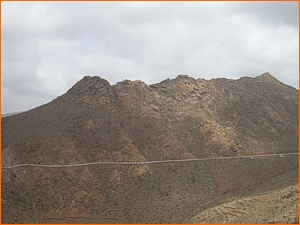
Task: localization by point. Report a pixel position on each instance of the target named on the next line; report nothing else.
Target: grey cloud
(13, 103)
(275, 13)
(48, 46)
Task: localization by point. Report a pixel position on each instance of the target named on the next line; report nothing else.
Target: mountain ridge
(131, 121)
(218, 111)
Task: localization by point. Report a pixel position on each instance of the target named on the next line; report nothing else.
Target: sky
(49, 46)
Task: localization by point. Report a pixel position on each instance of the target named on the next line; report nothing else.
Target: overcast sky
(48, 46)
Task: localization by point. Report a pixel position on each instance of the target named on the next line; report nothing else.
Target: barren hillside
(274, 201)
(181, 118)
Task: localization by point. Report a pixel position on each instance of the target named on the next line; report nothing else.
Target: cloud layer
(48, 46)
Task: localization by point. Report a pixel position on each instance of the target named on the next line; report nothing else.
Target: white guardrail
(145, 162)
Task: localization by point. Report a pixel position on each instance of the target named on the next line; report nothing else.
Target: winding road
(146, 162)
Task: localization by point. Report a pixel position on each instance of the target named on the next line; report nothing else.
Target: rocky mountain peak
(91, 82)
(133, 83)
(267, 76)
(91, 91)
(180, 76)
(184, 77)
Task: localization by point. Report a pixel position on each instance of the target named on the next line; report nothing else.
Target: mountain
(182, 118)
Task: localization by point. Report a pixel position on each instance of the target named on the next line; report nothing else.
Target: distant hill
(10, 114)
(131, 121)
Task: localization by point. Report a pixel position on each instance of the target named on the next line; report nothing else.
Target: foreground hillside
(131, 121)
(161, 193)
(274, 201)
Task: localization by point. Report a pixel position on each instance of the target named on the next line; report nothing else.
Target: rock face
(131, 121)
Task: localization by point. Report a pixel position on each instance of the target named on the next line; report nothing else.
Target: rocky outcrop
(92, 92)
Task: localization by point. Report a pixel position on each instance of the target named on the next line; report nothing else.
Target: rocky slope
(131, 121)
(263, 204)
